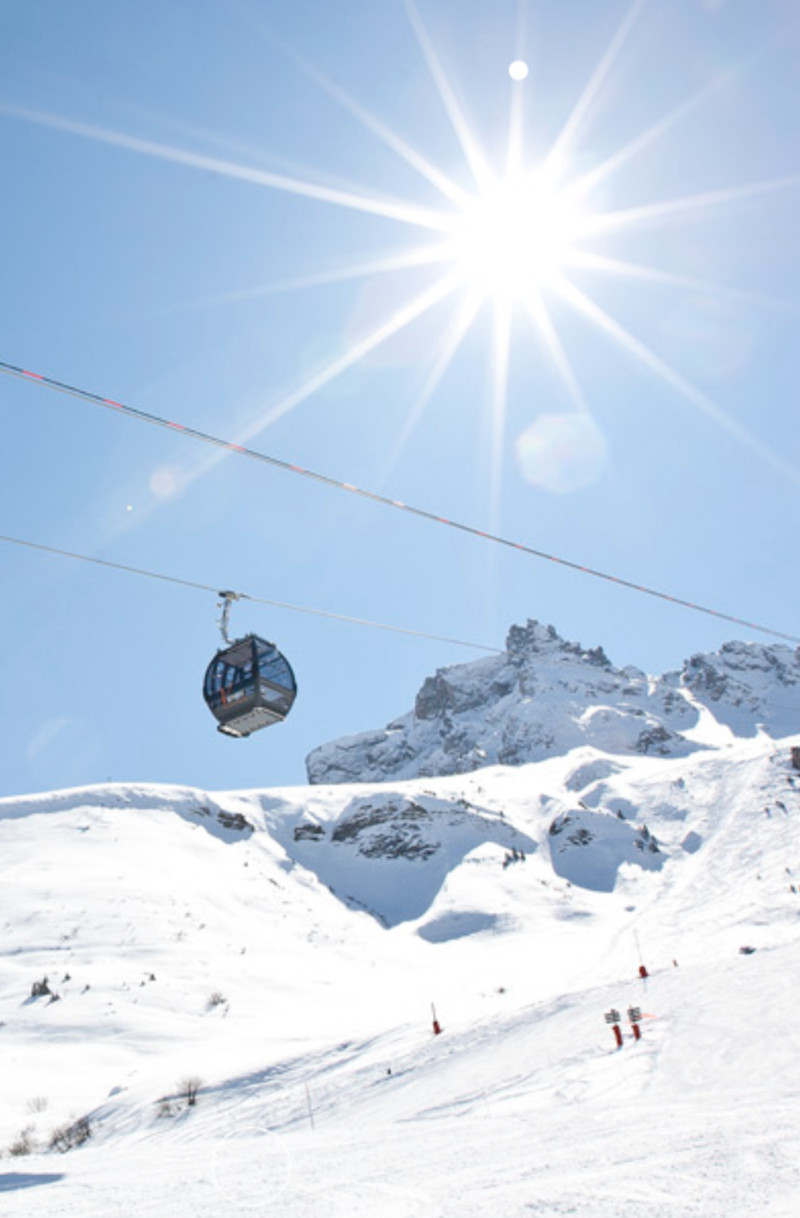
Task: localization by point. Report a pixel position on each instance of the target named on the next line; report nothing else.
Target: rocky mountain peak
(534, 639)
(545, 695)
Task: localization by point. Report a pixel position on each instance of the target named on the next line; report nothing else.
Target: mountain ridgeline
(544, 696)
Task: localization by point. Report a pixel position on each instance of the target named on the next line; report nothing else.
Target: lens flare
(165, 482)
(562, 452)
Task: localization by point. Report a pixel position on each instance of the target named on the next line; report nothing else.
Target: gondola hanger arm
(226, 600)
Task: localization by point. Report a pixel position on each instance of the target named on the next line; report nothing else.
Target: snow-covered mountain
(224, 1003)
(282, 949)
(544, 696)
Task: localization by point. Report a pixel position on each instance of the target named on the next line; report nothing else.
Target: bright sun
(515, 237)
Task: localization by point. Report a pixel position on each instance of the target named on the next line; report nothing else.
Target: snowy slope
(544, 696)
(284, 948)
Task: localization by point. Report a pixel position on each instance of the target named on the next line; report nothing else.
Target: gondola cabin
(249, 685)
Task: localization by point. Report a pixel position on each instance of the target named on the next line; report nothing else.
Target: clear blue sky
(199, 203)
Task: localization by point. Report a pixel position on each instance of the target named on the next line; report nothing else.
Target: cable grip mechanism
(225, 604)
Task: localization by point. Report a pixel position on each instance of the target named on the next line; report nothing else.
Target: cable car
(249, 684)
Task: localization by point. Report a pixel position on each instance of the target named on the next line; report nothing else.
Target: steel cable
(229, 446)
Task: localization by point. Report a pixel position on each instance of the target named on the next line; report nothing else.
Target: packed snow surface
(279, 951)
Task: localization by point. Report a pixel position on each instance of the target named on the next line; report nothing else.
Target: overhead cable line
(290, 467)
(245, 596)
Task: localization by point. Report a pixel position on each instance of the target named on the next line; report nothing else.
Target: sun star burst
(512, 241)
(516, 236)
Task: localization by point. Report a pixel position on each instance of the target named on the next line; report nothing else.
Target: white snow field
(283, 949)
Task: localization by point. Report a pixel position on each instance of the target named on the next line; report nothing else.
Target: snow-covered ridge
(544, 696)
(392, 851)
(284, 947)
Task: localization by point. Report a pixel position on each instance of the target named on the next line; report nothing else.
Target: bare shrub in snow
(67, 1137)
(22, 1144)
(216, 1000)
(37, 1103)
(188, 1088)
